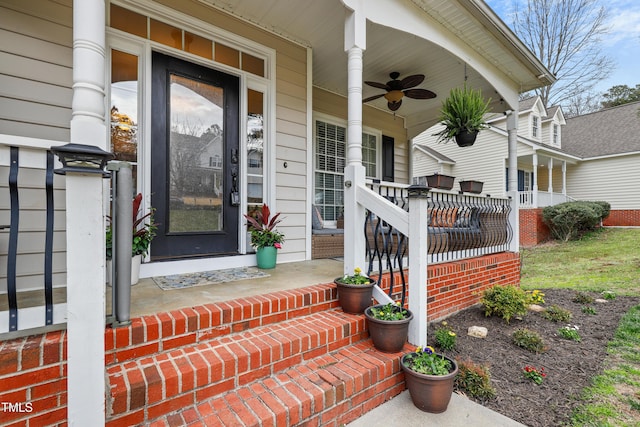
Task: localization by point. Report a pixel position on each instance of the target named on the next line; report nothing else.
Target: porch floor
(148, 298)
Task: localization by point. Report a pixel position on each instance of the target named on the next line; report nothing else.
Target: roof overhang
(447, 41)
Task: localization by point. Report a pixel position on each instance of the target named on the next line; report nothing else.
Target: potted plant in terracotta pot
(354, 291)
(264, 237)
(388, 326)
(462, 115)
(429, 377)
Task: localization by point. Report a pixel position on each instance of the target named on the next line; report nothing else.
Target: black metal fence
(459, 226)
(13, 309)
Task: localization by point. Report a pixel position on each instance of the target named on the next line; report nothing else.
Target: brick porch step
(153, 384)
(328, 390)
(162, 332)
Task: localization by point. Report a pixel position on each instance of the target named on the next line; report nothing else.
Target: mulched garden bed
(569, 365)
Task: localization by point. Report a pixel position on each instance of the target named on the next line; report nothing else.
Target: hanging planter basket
(465, 138)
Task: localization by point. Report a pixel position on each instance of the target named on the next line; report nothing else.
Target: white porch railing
(540, 199)
(444, 226)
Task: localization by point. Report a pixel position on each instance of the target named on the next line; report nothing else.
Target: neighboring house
(559, 159)
(281, 83)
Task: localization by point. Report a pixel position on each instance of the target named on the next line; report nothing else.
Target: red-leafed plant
(262, 228)
(143, 232)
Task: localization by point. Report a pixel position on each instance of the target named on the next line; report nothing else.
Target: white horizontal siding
(35, 68)
(614, 180)
(484, 161)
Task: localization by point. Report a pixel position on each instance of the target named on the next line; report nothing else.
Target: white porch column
(564, 179)
(550, 186)
(534, 188)
(85, 224)
(514, 216)
(418, 264)
(354, 172)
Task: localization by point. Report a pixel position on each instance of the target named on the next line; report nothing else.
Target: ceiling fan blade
(378, 85)
(393, 106)
(419, 94)
(412, 81)
(371, 98)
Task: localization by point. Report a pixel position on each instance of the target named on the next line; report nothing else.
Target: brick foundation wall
(532, 229)
(33, 379)
(457, 285)
(623, 218)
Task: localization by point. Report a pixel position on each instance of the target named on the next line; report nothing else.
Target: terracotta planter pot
(444, 182)
(388, 336)
(354, 299)
(466, 139)
(429, 393)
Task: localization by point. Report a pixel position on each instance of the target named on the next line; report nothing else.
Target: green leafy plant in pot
(144, 230)
(354, 291)
(429, 377)
(388, 326)
(264, 237)
(462, 115)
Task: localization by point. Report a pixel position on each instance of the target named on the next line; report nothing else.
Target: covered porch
(542, 178)
(314, 63)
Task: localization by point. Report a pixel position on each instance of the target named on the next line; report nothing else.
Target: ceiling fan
(397, 89)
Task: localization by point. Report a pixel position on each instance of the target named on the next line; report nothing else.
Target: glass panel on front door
(195, 183)
(196, 156)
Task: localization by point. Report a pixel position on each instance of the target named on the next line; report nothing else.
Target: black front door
(194, 155)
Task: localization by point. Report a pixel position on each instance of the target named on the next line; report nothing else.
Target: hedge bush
(570, 220)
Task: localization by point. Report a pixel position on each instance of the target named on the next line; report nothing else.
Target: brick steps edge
(328, 390)
(165, 331)
(209, 368)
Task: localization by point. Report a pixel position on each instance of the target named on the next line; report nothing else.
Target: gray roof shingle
(614, 130)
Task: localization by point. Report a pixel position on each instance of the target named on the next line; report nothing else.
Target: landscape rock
(477, 331)
(536, 308)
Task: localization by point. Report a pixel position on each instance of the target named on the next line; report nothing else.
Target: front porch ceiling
(432, 38)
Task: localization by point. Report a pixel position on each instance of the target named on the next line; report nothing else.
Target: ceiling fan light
(394, 96)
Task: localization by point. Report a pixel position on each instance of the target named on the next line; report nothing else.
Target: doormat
(213, 277)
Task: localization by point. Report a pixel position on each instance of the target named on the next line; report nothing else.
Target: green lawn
(605, 260)
(608, 260)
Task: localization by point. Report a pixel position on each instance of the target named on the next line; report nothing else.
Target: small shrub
(570, 220)
(529, 340)
(445, 338)
(582, 298)
(557, 314)
(570, 333)
(534, 374)
(588, 310)
(474, 380)
(535, 297)
(504, 301)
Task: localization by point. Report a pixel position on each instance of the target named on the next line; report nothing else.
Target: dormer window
(556, 131)
(534, 126)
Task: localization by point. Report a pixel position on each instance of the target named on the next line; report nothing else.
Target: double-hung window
(534, 126)
(330, 158)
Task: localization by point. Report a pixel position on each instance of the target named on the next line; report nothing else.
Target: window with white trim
(556, 134)
(534, 126)
(330, 158)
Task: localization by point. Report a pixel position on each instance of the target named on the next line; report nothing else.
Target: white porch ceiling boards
(466, 26)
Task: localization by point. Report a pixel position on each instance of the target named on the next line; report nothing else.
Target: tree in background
(565, 36)
(620, 94)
